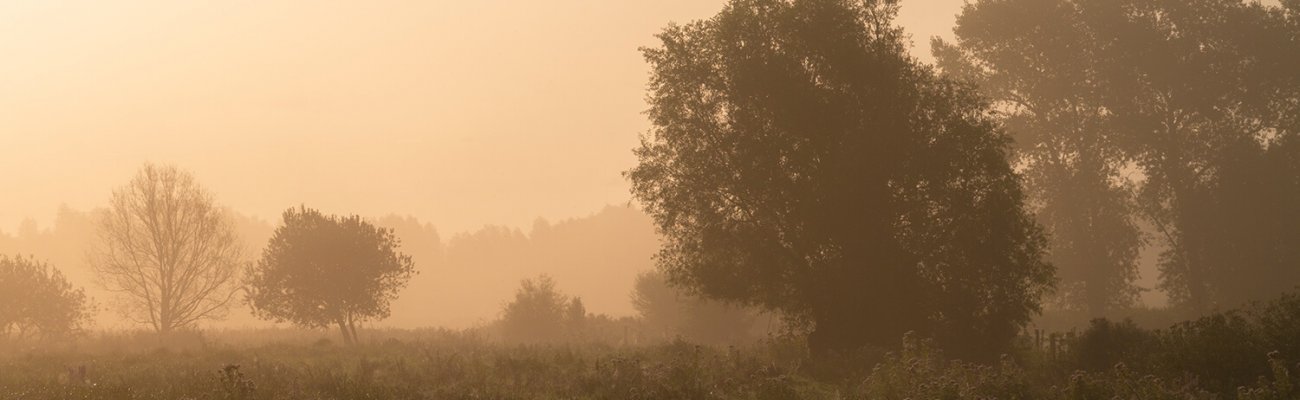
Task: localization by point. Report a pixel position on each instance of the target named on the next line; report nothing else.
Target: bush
(1223, 351)
(1123, 383)
(1283, 385)
(1278, 324)
(1105, 344)
(540, 313)
(920, 372)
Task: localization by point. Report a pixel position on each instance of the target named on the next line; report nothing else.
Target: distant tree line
(541, 313)
(669, 312)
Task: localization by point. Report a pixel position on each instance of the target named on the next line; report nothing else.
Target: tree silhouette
(666, 312)
(801, 161)
(321, 270)
(1209, 105)
(538, 313)
(168, 249)
(1065, 140)
(1200, 96)
(36, 300)
(659, 305)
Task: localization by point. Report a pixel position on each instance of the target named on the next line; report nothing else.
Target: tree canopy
(539, 313)
(1196, 98)
(320, 270)
(1066, 141)
(168, 249)
(36, 300)
(799, 160)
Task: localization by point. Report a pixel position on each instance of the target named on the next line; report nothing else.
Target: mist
(650, 199)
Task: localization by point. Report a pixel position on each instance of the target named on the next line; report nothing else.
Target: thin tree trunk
(347, 335)
(352, 326)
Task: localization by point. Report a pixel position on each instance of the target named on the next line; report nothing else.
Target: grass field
(403, 364)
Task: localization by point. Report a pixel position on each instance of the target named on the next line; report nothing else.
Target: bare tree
(168, 250)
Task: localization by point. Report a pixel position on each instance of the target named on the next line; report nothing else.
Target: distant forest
(463, 280)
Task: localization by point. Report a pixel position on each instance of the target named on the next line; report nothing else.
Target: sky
(460, 113)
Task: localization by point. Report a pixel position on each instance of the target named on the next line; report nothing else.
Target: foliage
(1222, 349)
(36, 300)
(539, 313)
(1123, 383)
(575, 315)
(320, 270)
(802, 162)
(168, 249)
(919, 371)
(1105, 344)
(668, 312)
(1277, 323)
(1220, 352)
(1053, 105)
(1187, 107)
(658, 304)
(1195, 99)
(1282, 385)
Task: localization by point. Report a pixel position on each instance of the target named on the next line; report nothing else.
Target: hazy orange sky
(459, 113)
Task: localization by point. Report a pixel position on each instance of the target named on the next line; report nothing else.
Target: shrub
(1283, 385)
(1278, 324)
(1224, 350)
(1123, 383)
(920, 372)
(537, 314)
(1105, 344)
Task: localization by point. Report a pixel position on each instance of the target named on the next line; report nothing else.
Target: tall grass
(1245, 354)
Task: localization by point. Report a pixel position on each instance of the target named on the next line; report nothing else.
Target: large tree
(801, 161)
(320, 270)
(168, 249)
(1031, 60)
(37, 301)
(1199, 95)
(1207, 92)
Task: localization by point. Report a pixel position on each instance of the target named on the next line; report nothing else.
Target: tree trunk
(352, 328)
(347, 335)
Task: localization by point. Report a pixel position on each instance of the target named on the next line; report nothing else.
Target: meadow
(1221, 356)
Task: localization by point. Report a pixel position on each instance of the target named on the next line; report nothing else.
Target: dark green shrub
(1223, 350)
(1105, 344)
(1282, 386)
(1123, 383)
(1278, 324)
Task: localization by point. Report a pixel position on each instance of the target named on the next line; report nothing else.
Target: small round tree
(537, 314)
(321, 270)
(36, 300)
